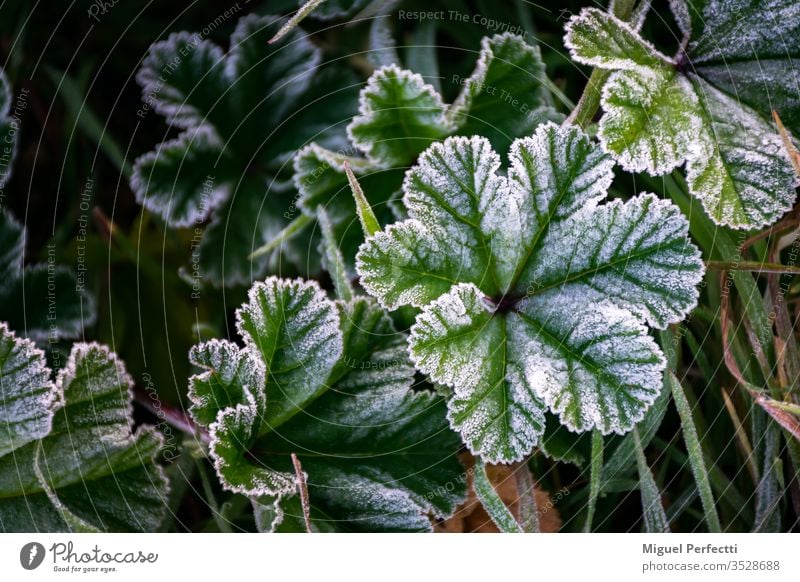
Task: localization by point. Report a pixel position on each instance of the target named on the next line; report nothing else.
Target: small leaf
(232, 376)
(658, 115)
(506, 95)
(399, 116)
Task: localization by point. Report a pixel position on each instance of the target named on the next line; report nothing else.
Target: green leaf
(534, 295)
(506, 96)
(9, 125)
(69, 459)
(596, 479)
(29, 397)
(295, 329)
(399, 116)
(377, 455)
(42, 301)
(658, 115)
(229, 162)
(749, 50)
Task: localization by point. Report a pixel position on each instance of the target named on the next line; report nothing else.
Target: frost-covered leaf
(29, 396)
(534, 295)
(330, 9)
(42, 301)
(295, 329)
(74, 462)
(8, 131)
(233, 376)
(377, 456)
(506, 96)
(749, 50)
(658, 115)
(400, 115)
(244, 113)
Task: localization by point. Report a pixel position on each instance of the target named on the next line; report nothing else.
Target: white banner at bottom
(356, 557)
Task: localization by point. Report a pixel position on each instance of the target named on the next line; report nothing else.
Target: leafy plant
(242, 116)
(662, 112)
(400, 115)
(69, 460)
(507, 335)
(330, 382)
(533, 293)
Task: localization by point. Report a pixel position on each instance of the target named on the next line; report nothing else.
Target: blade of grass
(695, 452)
(526, 493)
(768, 491)
(366, 216)
(298, 17)
(294, 228)
(494, 506)
(595, 479)
(655, 520)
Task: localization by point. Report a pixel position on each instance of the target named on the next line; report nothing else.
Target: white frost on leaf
(595, 367)
(400, 105)
(658, 117)
(338, 394)
(231, 436)
(231, 376)
(28, 398)
(534, 241)
(84, 446)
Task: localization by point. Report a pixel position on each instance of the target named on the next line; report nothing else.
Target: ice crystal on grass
(534, 294)
(658, 115)
(69, 459)
(330, 382)
(400, 115)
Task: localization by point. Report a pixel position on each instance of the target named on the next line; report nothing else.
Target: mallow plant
(439, 279)
(536, 292)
